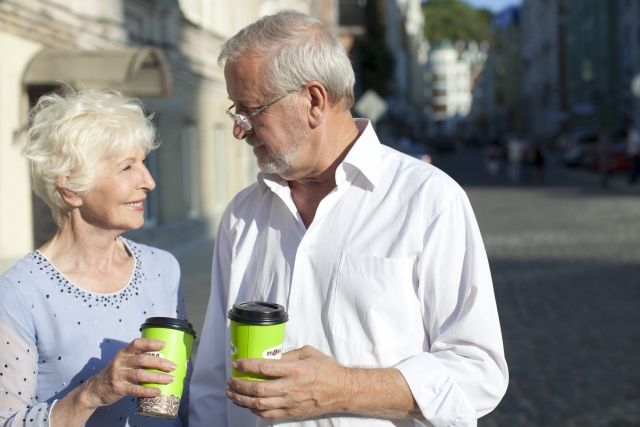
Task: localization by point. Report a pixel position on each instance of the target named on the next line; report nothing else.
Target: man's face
(280, 133)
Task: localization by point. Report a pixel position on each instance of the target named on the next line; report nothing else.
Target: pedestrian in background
(515, 156)
(376, 256)
(71, 310)
(492, 157)
(604, 156)
(633, 151)
(537, 159)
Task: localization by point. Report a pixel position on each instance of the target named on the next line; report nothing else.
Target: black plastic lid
(258, 313)
(169, 322)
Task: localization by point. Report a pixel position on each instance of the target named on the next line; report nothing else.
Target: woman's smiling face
(116, 202)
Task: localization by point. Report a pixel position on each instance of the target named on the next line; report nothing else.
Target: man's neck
(308, 192)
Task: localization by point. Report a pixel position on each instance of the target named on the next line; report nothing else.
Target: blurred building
(404, 24)
(352, 18)
(506, 70)
(628, 12)
(477, 128)
(544, 87)
(581, 65)
(389, 34)
(164, 52)
(452, 71)
(592, 53)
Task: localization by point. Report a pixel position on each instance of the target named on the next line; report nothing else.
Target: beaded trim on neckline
(65, 286)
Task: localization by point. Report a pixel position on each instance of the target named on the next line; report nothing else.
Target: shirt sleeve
(19, 404)
(208, 384)
(464, 374)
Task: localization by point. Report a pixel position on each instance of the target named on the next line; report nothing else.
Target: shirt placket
(309, 283)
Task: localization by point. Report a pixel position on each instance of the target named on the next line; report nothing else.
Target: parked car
(618, 159)
(581, 149)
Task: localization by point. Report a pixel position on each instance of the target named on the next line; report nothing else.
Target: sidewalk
(618, 182)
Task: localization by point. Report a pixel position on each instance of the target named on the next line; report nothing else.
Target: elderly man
(376, 256)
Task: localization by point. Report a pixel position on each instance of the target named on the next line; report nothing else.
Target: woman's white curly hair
(71, 133)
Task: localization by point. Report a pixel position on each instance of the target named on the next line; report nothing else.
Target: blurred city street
(566, 268)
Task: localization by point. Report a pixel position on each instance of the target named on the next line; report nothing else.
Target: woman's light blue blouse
(55, 335)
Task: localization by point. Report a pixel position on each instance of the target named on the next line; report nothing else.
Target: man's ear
(319, 99)
(70, 197)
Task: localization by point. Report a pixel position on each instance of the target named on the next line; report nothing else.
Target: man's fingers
(269, 388)
(272, 368)
(272, 414)
(298, 353)
(256, 403)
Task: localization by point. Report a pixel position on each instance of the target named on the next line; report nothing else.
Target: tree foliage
(377, 60)
(454, 20)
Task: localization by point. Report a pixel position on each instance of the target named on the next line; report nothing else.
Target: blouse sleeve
(19, 404)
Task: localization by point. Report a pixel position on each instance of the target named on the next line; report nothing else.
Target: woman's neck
(95, 260)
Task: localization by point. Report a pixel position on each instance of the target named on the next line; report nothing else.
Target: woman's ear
(319, 99)
(70, 197)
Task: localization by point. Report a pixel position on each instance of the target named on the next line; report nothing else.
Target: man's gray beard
(276, 163)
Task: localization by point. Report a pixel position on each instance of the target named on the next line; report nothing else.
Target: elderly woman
(71, 310)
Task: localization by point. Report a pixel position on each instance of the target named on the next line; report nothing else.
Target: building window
(136, 28)
(190, 168)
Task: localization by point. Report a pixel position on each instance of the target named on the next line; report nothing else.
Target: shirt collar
(366, 153)
(364, 156)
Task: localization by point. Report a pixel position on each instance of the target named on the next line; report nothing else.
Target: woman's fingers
(141, 345)
(139, 391)
(142, 353)
(139, 362)
(144, 376)
(151, 362)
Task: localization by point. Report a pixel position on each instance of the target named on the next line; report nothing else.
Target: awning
(137, 71)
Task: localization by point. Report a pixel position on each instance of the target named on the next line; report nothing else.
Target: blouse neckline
(62, 279)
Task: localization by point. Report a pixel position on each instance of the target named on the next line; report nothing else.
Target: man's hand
(306, 383)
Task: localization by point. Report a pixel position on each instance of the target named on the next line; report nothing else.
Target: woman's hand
(128, 368)
(118, 379)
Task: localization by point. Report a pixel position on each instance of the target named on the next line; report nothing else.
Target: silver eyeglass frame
(242, 120)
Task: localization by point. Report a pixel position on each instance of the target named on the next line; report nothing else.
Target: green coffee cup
(178, 336)
(256, 332)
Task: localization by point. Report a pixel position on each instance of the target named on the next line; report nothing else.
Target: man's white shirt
(392, 272)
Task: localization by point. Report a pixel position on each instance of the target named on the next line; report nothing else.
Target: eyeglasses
(243, 119)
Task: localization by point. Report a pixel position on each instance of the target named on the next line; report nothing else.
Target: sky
(493, 5)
